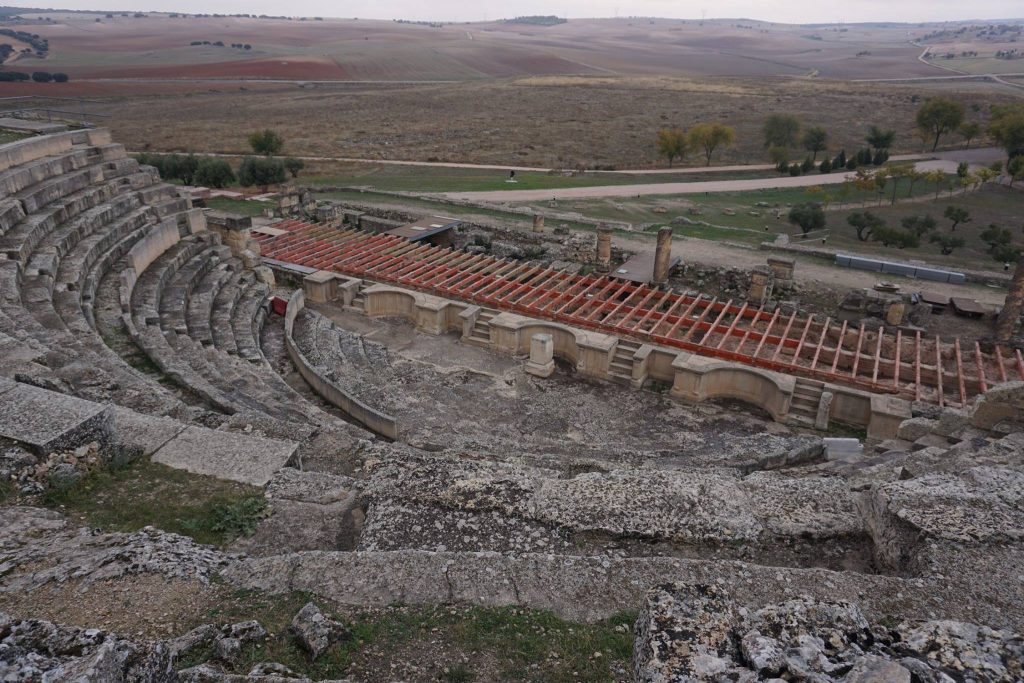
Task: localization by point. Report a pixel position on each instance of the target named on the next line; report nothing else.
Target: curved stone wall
(699, 378)
(374, 420)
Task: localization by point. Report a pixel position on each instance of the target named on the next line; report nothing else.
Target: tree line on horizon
(784, 133)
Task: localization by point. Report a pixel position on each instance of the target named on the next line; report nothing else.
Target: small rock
(315, 631)
(228, 649)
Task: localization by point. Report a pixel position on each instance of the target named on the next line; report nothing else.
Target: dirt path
(945, 161)
(702, 187)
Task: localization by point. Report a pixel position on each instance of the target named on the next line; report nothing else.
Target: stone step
(621, 367)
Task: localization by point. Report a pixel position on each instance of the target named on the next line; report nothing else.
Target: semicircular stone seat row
(75, 213)
(362, 368)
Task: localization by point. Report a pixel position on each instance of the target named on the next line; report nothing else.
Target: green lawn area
(242, 206)
(12, 136)
(397, 178)
(731, 215)
(143, 493)
(464, 643)
(993, 205)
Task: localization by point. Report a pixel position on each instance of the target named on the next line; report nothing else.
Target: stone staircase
(481, 333)
(621, 368)
(806, 397)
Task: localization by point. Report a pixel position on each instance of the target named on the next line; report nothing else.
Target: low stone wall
(699, 378)
(430, 314)
(573, 587)
(148, 249)
(973, 276)
(375, 421)
(693, 377)
(590, 352)
(28, 150)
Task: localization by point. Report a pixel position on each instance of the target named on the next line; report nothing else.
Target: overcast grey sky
(462, 10)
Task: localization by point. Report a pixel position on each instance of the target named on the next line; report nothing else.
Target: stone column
(663, 256)
(1007, 321)
(604, 249)
(538, 222)
(542, 355)
(760, 285)
(782, 272)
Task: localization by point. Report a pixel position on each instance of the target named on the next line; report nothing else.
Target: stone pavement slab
(226, 455)
(48, 421)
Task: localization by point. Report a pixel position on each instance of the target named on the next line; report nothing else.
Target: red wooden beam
(960, 372)
(821, 343)
(917, 365)
(785, 335)
(1002, 368)
(856, 357)
(764, 337)
(878, 357)
(981, 368)
(899, 351)
(839, 348)
(700, 319)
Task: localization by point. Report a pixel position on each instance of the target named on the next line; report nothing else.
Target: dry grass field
(98, 45)
(547, 122)
(586, 93)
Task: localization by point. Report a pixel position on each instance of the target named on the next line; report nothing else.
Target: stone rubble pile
(31, 474)
(699, 633)
(40, 538)
(34, 650)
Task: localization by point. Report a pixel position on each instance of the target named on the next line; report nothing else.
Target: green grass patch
(462, 643)
(143, 493)
(243, 206)
(12, 136)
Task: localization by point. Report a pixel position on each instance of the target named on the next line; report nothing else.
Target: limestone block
(48, 421)
(349, 289)
(844, 450)
(469, 317)
(822, 419)
(320, 287)
(914, 429)
(265, 275)
(542, 358)
(887, 413)
(226, 455)
(895, 313)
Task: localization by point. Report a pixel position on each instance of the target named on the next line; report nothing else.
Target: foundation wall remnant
(699, 378)
(374, 420)
(760, 285)
(693, 377)
(830, 350)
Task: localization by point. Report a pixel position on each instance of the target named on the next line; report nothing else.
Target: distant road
(946, 161)
(959, 75)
